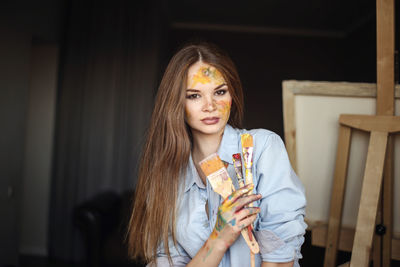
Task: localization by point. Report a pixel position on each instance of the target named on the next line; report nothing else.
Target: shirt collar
(229, 146)
(192, 177)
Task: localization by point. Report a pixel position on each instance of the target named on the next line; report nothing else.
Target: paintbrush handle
(250, 240)
(248, 176)
(252, 259)
(241, 182)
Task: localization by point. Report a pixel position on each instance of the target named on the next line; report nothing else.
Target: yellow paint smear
(247, 140)
(207, 75)
(224, 107)
(214, 235)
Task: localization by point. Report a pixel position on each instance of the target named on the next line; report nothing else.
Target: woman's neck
(205, 145)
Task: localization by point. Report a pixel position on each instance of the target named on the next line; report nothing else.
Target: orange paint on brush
(247, 140)
(211, 164)
(216, 173)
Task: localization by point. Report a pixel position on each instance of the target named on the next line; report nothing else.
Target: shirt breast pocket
(192, 227)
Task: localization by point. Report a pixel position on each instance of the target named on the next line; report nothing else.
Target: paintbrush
(237, 164)
(247, 151)
(217, 175)
(220, 181)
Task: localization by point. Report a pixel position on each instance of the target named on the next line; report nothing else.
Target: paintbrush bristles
(211, 164)
(247, 140)
(237, 163)
(217, 175)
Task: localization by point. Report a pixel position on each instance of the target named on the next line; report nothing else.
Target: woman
(177, 219)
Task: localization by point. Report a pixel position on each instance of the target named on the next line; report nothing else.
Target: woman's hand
(233, 215)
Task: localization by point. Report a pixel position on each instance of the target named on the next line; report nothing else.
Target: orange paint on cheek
(224, 107)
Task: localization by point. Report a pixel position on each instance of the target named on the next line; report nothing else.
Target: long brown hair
(167, 149)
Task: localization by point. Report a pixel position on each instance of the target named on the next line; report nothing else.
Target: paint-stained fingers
(247, 221)
(245, 200)
(238, 194)
(243, 213)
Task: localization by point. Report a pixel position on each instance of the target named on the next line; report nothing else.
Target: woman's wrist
(211, 253)
(217, 243)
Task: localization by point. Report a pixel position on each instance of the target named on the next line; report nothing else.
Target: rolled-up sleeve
(280, 226)
(179, 257)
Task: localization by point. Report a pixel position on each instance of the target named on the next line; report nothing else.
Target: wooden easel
(379, 160)
(380, 127)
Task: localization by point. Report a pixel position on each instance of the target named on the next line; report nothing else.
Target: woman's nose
(210, 104)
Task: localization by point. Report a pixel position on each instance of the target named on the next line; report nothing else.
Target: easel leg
(388, 185)
(369, 200)
(336, 206)
(385, 36)
(377, 247)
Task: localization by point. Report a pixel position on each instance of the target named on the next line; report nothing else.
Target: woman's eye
(221, 92)
(192, 96)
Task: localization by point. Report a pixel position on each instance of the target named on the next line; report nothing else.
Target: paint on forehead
(224, 107)
(206, 74)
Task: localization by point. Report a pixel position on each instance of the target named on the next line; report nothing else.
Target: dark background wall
(24, 25)
(265, 60)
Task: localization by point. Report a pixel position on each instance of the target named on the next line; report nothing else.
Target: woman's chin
(209, 129)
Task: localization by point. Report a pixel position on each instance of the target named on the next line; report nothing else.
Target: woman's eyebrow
(220, 86)
(196, 90)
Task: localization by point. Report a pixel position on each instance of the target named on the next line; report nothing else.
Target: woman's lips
(210, 120)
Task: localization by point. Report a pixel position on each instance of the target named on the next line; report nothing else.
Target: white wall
(317, 130)
(38, 150)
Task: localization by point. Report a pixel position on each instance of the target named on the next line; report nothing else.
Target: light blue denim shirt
(279, 227)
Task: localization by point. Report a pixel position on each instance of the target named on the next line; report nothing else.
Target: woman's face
(208, 101)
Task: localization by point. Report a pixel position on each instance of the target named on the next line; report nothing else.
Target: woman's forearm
(210, 254)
